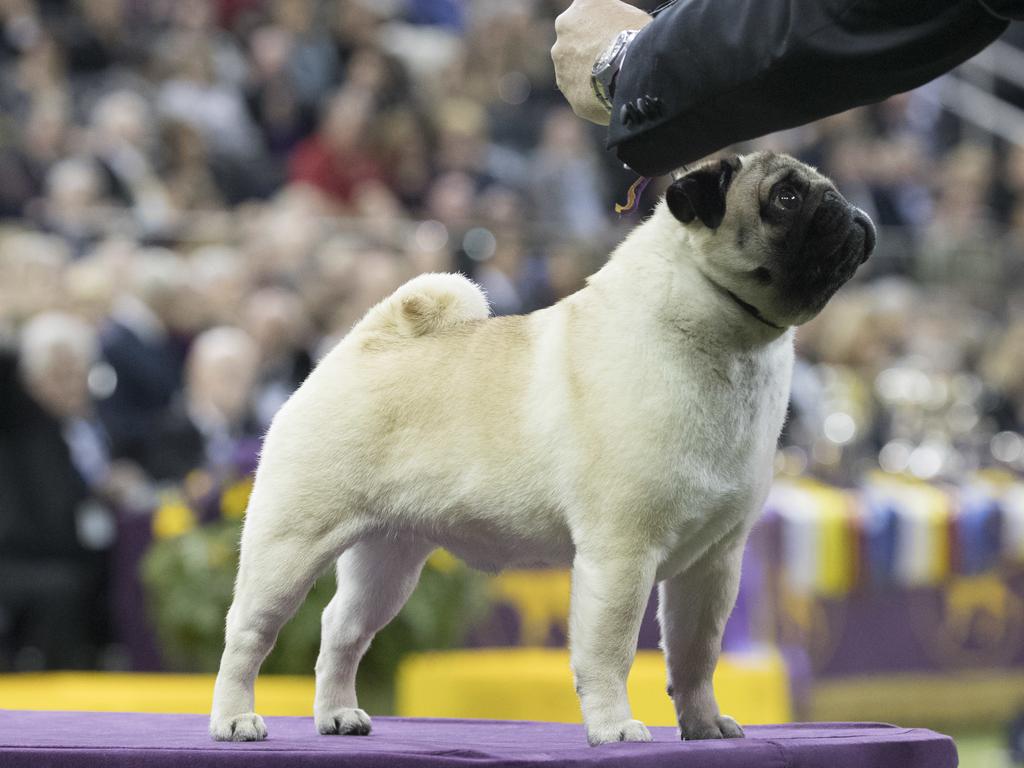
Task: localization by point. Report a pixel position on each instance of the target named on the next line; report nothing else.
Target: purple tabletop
(114, 740)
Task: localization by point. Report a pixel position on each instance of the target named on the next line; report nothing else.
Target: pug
(628, 431)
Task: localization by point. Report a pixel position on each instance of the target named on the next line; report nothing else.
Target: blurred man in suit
(54, 469)
(144, 343)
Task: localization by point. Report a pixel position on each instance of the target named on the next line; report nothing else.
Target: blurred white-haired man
(56, 351)
(54, 465)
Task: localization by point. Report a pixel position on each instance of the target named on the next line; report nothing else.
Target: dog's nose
(870, 236)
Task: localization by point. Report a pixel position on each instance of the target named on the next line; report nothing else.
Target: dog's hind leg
(278, 563)
(375, 578)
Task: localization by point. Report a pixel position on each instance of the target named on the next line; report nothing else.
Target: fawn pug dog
(628, 431)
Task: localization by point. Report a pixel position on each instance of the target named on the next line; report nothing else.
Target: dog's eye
(786, 197)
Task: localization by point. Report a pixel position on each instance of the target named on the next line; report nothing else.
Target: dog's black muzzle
(837, 239)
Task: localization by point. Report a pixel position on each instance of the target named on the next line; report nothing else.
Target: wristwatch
(606, 67)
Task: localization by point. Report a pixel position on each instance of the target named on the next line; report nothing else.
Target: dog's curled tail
(427, 304)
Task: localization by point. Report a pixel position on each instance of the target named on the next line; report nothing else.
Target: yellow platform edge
(507, 683)
(135, 692)
(536, 684)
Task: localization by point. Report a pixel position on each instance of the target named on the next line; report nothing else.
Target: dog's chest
(718, 444)
(731, 409)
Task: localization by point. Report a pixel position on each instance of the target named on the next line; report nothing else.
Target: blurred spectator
(31, 268)
(218, 113)
(204, 426)
(221, 282)
(122, 147)
(312, 62)
(356, 23)
(405, 144)
(198, 20)
(97, 37)
(273, 99)
(73, 206)
(24, 164)
(277, 322)
(336, 159)
(566, 179)
(194, 179)
(54, 467)
(194, 95)
(462, 140)
(89, 289)
(141, 342)
(959, 241)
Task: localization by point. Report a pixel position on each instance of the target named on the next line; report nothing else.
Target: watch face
(605, 67)
(603, 61)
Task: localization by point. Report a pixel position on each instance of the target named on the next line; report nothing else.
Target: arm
(708, 73)
(1005, 9)
(767, 65)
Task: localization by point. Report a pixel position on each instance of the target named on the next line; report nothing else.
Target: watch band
(606, 67)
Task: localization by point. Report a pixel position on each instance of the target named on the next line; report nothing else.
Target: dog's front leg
(609, 595)
(693, 607)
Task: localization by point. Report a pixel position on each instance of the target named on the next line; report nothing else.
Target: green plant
(188, 581)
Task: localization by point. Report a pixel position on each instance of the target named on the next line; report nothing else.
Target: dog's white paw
(245, 727)
(624, 730)
(720, 727)
(344, 722)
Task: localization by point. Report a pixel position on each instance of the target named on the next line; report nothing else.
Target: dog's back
(421, 405)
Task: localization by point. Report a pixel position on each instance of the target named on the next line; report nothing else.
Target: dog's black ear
(700, 194)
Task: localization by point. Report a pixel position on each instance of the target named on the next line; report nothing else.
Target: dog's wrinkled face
(778, 236)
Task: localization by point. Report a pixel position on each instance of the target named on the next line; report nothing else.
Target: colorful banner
(893, 531)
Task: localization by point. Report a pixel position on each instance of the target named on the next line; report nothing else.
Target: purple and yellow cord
(633, 195)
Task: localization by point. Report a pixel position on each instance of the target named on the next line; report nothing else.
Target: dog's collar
(748, 308)
(751, 310)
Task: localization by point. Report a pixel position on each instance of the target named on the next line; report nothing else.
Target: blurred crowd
(199, 197)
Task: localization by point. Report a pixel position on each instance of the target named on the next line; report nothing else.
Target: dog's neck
(652, 272)
(750, 309)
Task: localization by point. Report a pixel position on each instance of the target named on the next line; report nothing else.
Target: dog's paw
(721, 727)
(245, 727)
(344, 722)
(624, 730)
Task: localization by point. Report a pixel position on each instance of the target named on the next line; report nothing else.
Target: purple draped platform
(87, 739)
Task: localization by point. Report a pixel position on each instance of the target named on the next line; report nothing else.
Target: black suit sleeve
(1005, 9)
(708, 73)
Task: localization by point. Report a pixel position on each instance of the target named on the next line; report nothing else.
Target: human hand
(582, 32)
